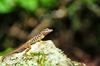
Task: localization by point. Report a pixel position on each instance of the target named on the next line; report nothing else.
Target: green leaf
(7, 6)
(30, 5)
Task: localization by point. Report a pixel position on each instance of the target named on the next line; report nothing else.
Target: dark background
(76, 25)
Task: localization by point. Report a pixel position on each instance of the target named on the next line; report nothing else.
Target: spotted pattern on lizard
(28, 44)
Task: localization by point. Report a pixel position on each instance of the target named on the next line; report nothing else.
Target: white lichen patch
(43, 53)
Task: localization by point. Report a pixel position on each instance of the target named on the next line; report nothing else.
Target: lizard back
(38, 37)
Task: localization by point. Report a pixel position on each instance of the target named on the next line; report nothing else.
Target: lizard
(28, 44)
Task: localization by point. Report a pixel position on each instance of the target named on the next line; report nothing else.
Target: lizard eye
(47, 30)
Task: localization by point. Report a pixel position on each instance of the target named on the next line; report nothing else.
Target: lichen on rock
(43, 53)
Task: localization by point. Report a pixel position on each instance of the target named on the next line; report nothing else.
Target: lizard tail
(6, 55)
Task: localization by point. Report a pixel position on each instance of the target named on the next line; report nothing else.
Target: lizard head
(46, 31)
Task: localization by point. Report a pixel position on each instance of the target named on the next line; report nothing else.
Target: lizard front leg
(29, 47)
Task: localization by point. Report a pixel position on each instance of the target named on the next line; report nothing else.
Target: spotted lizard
(28, 44)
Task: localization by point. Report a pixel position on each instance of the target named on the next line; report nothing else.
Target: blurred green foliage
(30, 5)
(49, 3)
(7, 6)
(8, 50)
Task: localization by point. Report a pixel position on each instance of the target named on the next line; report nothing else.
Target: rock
(43, 53)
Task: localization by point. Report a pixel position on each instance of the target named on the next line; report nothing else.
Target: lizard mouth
(50, 30)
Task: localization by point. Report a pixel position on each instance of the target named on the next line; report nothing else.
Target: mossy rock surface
(43, 53)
